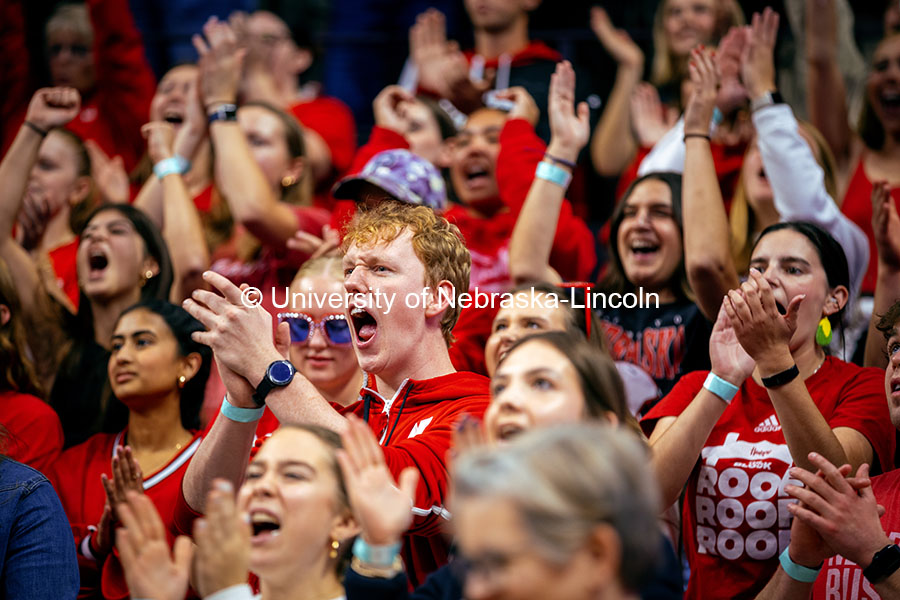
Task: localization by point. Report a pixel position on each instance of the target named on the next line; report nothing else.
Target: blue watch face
(281, 372)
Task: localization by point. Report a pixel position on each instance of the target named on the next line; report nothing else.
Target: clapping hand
(223, 542)
(383, 510)
(705, 78)
(616, 41)
(761, 329)
(885, 225)
(151, 569)
(220, 62)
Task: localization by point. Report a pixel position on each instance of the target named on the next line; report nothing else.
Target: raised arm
(886, 226)
(238, 177)
(676, 442)
(614, 145)
(798, 182)
(707, 250)
(49, 108)
(239, 332)
(181, 227)
(125, 83)
(533, 235)
(825, 94)
(189, 141)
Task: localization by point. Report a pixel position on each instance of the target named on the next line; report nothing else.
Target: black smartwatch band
(278, 374)
(884, 563)
(779, 379)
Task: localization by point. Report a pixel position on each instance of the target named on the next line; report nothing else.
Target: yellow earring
(288, 181)
(181, 381)
(334, 548)
(823, 332)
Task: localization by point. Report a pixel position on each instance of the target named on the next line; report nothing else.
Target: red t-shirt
(35, 433)
(76, 477)
(842, 579)
(63, 261)
(735, 517)
(858, 208)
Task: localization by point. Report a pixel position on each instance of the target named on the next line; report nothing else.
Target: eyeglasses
(336, 328)
(78, 50)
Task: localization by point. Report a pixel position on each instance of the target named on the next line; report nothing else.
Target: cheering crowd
(238, 364)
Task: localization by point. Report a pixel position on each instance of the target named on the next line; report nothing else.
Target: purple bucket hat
(403, 175)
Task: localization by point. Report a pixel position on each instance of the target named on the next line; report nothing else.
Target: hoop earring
(334, 549)
(823, 332)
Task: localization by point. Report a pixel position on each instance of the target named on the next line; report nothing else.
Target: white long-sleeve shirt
(797, 180)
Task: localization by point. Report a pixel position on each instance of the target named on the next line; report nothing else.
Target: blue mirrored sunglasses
(336, 328)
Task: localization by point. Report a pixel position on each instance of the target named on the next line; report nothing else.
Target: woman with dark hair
(772, 397)
(121, 259)
(159, 373)
(667, 335)
(38, 559)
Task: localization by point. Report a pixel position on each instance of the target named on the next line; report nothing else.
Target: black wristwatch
(885, 562)
(222, 112)
(279, 374)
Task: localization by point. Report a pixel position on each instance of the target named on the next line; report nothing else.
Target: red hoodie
(415, 429)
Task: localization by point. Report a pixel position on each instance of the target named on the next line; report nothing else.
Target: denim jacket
(37, 556)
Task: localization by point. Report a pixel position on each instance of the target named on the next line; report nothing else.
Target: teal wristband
(171, 166)
(552, 173)
(378, 556)
(720, 387)
(241, 415)
(718, 117)
(795, 571)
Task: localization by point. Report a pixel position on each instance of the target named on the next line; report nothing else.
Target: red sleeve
(380, 139)
(37, 439)
(183, 516)
(862, 407)
(15, 80)
(472, 330)
(331, 119)
(674, 403)
(427, 452)
(125, 83)
(520, 152)
(573, 255)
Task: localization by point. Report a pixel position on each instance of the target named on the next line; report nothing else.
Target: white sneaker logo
(770, 425)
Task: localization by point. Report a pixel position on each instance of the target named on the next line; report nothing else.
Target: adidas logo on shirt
(770, 425)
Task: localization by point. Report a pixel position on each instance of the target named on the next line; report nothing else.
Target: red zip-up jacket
(415, 429)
